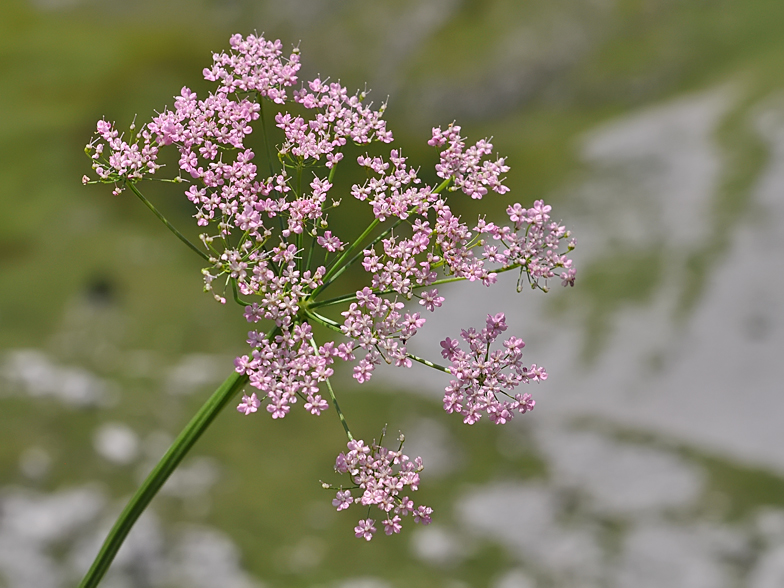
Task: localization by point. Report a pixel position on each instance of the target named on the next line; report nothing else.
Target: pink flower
(249, 404)
(342, 500)
(365, 529)
(422, 515)
(392, 525)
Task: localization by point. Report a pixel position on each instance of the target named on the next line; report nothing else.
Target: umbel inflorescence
(267, 244)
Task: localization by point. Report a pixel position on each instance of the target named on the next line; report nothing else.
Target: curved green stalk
(334, 399)
(337, 300)
(169, 226)
(353, 296)
(428, 363)
(323, 320)
(237, 298)
(141, 499)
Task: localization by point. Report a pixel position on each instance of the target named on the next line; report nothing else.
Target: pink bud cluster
(115, 160)
(382, 475)
(482, 376)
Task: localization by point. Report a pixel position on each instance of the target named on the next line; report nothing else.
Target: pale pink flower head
(484, 379)
(379, 475)
(342, 500)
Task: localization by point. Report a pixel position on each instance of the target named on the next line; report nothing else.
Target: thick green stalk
(199, 423)
(353, 247)
(331, 277)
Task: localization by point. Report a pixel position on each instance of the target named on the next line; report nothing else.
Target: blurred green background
(653, 127)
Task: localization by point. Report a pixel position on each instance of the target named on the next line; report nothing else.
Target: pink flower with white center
(392, 525)
(249, 404)
(316, 404)
(342, 500)
(431, 300)
(449, 347)
(329, 242)
(422, 515)
(365, 529)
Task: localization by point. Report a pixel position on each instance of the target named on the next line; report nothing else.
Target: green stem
(461, 279)
(345, 298)
(428, 363)
(334, 276)
(442, 185)
(264, 132)
(237, 298)
(324, 321)
(141, 499)
(353, 296)
(332, 171)
(169, 226)
(334, 399)
(337, 267)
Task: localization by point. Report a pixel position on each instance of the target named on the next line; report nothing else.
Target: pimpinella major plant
(266, 244)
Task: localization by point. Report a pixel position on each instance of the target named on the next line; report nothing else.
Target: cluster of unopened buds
(267, 244)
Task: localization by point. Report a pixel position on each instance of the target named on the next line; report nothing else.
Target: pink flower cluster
(339, 118)
(285, 368)
(532, 244)
(122, 160)
(254, 65)
(382, 475)
(394, 193)
(482, 376)
(267, 236)
(211, 133)
(377, 327)
(466, 167)
(439, 238)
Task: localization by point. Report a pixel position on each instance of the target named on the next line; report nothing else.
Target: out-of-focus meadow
(655, 455)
